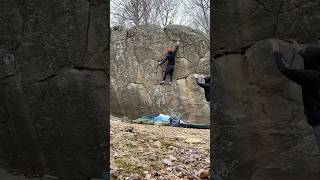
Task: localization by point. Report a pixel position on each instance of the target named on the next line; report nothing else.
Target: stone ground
(158, 152)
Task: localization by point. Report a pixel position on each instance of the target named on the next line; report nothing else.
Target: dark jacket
(171, 57)
(206, 87)
(309, 79)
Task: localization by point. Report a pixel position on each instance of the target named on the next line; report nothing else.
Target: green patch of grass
(129, 168)
(131, 146)
(166, 144)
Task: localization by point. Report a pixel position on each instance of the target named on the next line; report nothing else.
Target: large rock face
(53, 87)
(135, 74)
(260, 128)
(242, 22)
(260, 131)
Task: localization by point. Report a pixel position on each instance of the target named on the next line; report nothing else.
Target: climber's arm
(164, 60)
(299, 76)
(298, 48)
(203, 85)
(176, 48)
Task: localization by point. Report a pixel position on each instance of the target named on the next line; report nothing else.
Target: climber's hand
(293, 41)
(197, 80)
(296, 45)
(159, 63)
(275, 45)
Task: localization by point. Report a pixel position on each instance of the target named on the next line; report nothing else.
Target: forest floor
(154, 152)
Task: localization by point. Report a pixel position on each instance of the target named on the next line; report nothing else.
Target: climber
(205, 86)
(308, 78)
(171, 58)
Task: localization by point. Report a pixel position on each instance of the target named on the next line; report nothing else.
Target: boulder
(53, 87)
(135, 74)
(260, 131)
(239, 23)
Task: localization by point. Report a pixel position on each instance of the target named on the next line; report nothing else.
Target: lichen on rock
(135, 73)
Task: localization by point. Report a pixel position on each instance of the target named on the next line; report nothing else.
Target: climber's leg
(171, 74)
(164, 77)
(316, 131)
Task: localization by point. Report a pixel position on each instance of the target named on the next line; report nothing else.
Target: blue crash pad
(160, 119)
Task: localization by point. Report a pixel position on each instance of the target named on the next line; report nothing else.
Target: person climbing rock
(308, 78)
(205, 86)
(171, 58)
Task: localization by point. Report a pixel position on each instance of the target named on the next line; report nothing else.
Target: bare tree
(131, 11)
(165, 11)
(144, 12)
(199, 13)
(147, 6)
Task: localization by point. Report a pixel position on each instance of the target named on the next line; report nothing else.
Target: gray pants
(316, 131)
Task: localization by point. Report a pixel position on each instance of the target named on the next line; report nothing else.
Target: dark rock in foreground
(53, 87)
(260, 129)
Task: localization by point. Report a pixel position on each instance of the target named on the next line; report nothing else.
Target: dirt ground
(158, 152)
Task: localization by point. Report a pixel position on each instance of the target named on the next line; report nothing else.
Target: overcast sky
(181, 17)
